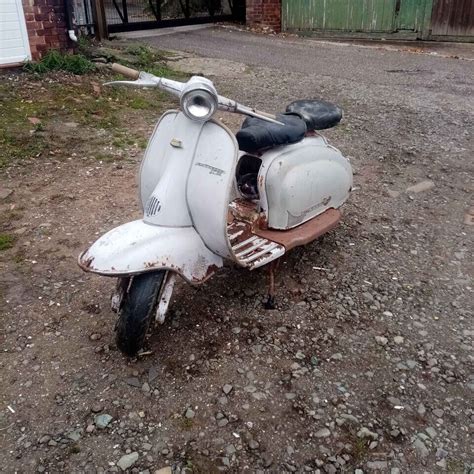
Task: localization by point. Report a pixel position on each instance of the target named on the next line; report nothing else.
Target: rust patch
(262, 221)
(304, 233)
(86, 265)
(211, 269)
(244, 210)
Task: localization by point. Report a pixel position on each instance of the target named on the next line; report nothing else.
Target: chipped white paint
(165, 297)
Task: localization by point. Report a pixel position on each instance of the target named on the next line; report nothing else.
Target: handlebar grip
(126, 71)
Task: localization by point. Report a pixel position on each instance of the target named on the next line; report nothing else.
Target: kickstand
(272, 267)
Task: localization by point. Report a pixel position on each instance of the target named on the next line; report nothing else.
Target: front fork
(121, 289)
(163, 299)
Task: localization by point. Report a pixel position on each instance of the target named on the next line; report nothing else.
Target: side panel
(303, 181)
(210, 183)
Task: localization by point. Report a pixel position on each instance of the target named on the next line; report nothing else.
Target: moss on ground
(6, 241)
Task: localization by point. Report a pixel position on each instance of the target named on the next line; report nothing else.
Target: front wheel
(137, 310)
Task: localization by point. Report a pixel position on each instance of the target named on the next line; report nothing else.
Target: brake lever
(257, 114)
(230, 105)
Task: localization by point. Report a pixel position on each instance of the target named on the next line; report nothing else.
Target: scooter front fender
(137, 247)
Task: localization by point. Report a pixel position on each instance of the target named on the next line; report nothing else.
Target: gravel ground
(365, 366)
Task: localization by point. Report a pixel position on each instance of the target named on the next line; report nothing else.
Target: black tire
(137, 311)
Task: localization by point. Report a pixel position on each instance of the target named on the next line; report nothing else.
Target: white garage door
(14, 45)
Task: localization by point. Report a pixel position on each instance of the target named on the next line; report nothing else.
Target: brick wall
(46, 25)
(264, 13)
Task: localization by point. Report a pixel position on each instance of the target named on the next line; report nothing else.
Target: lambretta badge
(212, 169)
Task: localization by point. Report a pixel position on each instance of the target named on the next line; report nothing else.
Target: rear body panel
(301, 181)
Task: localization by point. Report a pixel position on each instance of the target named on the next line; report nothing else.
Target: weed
(57, 61)
(19, 258)
(74, 449)
(85, 46)
(360, 449)
(186, 423)
(455, 466)
(6, 241)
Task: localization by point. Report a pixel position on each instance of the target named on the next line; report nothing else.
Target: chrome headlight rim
(199, 99)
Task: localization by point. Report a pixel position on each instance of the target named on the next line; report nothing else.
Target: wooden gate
(453, 18)
(357, 17)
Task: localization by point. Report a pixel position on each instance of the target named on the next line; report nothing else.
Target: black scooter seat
(257, 134)
(317, 114)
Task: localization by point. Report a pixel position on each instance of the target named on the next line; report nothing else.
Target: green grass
(105, 116)
(6, 241)
(140, 103)
(57, 61)
(144, 58)
(18, 137)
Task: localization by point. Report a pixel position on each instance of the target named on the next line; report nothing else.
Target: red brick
(45, 25)
(42, 48)
(37, 40)
(264, 13)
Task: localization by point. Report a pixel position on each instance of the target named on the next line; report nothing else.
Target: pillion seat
(317, 114)
(300, 116)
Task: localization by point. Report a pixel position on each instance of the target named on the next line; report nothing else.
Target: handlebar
(126, 71)
(143, 79)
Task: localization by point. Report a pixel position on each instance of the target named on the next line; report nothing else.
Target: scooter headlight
(199, 100)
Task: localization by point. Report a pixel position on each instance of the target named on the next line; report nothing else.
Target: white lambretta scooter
(209, 195)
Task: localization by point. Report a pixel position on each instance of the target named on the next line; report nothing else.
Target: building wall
(264, 13)
(46, 26)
